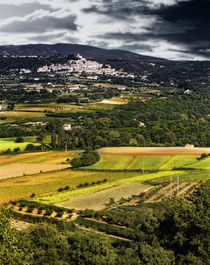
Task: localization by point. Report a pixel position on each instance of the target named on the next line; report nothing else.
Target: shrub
(8, 151)
(88, 158)
(30, 209)
(33, 195)
(203, 156)
(30, 147)
(19, 140)
(59, 214)
(16, 150)
(60, 189)
(48, 212)
(67, 188)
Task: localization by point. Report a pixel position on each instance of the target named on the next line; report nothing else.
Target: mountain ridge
(84, 50)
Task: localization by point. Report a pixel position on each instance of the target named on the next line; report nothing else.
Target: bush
(19, 140)
(60, 189)
(48, 212)
(88, 158)
(59, 214)
(33, 195)
(16, 150)
(8, 151)
(203, 156)
(67, 188)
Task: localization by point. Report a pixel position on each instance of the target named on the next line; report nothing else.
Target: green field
(110, 162)
(9, 143)
(6, 143)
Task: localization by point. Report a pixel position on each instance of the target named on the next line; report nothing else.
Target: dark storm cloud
(51, 38)
(41, 24)
(7, 11)
(136, 47)
(185, 23)
(119, 10)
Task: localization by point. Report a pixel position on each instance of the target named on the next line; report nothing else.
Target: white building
(67, 127)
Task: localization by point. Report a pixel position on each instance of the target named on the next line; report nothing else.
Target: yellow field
(152, 151)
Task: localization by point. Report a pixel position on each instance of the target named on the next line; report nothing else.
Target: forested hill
(65, 49)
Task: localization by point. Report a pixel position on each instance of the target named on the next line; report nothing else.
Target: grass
(110, 162)
(179, 162)
(10, 144)
(200, 164)
(184, 176)
(6, 143)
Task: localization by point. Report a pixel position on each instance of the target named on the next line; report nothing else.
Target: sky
(172, 29)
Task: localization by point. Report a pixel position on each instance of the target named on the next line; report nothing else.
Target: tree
(88, 248)
(10, 250)
(40, 139)
(49, 245)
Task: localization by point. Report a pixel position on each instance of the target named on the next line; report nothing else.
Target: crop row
(107, 228)
(49, 209)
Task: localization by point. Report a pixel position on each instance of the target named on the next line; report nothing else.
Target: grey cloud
(8, 11)
(40, 25)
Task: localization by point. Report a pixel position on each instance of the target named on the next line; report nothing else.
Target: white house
(67, 127)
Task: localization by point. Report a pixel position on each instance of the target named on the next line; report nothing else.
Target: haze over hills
(84, 50)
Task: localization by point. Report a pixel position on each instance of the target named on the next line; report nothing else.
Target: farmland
(9, 143)
(98, 199)
(134, 158)
(14, 116)
(39, 108)
(49, 182)
(27, 173)
(152, 151)
(32, 163)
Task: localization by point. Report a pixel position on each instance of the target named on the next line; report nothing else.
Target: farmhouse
(67, 127)
(189, 146)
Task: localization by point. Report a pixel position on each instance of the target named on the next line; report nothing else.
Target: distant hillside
(65, 49)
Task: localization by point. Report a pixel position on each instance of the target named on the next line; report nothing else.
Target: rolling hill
(65, 49)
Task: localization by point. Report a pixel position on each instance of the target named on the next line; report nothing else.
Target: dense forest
(177, 232)
(175, 121)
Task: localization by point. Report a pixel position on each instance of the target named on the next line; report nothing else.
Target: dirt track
(152, 151)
